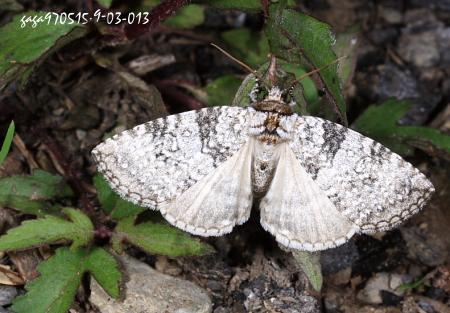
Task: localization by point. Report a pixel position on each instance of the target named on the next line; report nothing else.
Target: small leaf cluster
(73, 234)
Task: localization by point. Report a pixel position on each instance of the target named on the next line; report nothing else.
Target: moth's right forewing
(157, 161)
(369, 184)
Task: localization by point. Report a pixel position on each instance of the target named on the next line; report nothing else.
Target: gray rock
(7, 294)
(420, 49)
(427, 247)
(395, 82)
(443, 38)
(221, 309)
(390, 14)
(148, 291)
(371, 293)
(3, 310)
(432, 4)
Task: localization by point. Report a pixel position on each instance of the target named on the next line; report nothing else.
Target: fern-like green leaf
(30, 193)
(54, 290)
(50, 229)
(158, 238)
(105, 269)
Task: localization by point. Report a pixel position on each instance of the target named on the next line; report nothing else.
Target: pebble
(420, 49)
(372, 291)
(7, 294)
(149, 291)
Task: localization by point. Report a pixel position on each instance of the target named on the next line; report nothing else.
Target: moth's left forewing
(372, 186)
(155, 162)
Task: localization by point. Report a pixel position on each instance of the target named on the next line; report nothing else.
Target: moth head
(269, 99)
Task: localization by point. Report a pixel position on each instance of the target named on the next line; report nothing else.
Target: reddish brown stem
(156, 16)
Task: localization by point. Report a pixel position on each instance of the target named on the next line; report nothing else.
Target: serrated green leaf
(54, 290)
(50, 229)
(222, 90)
(246, 5)
(30, 193)
(251, 47)
(7, 142)
(189, 16)
(310, 264)
(301, 39)
(105, 269)
(112, 203)
(380, 123)
(23, 48)
(105, 3)
(158, 238)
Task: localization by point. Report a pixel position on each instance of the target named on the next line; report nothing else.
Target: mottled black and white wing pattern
(154, 163)
(368, 184)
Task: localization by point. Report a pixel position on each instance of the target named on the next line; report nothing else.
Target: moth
(317, 183)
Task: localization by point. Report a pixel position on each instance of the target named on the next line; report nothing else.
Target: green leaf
(246, 5)
(222, 90)
(30, 193)
(310, 264)
(106, 196)
(158, 238)
(50, 229)
(54, 290)
(380, 123)
(299, 39)
(112, 203)
(414, 285)
(23, 48)
(189, 16)
(252, 47)
(346, 46)
(7, 142)
(10, 5)
(105, 269)
(105, 3)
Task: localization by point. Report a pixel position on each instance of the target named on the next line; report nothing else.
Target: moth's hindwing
(369, 184)
(157, 161)
(217, 202)
(298, 213)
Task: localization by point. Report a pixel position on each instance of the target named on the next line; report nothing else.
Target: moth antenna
(248, 68)
(312, 72)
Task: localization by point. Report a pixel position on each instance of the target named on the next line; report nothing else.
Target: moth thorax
(276, 106)
(264, 163)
